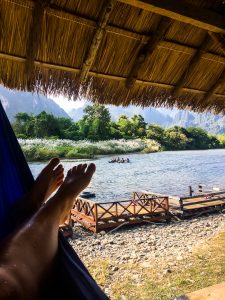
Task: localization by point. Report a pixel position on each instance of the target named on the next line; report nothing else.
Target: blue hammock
(71, 278)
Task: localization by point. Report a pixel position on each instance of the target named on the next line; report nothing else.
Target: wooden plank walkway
(193, 204)
(214, 292)
(140, 209)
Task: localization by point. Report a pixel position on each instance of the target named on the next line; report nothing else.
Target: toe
(91, 169)
(79, 167)
(74, 170)
(69, 172)
(53, 163)
(59, 169)
(84, 166)
(60, 178)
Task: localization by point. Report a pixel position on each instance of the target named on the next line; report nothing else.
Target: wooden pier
(141, 208)
(191, 205)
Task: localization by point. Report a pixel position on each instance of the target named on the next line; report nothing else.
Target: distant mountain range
(165, 117)
(151, 115)
(15, 102)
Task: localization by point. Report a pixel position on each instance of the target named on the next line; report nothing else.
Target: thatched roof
(145, 52)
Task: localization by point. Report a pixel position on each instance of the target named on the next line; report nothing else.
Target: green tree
(95, 124)
(46, 125)
(115, 131)
(221, 139)
(138, 126)
(125, 126)
(156, 132)
(22, 124)
(199, 139)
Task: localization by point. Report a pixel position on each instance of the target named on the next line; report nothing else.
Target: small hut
(142, 52)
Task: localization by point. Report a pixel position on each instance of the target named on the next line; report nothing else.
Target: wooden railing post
(96, 217)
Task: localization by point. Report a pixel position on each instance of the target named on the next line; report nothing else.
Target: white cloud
(67, 104)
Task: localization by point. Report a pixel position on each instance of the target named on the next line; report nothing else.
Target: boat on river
(87, 195)
(119, 161)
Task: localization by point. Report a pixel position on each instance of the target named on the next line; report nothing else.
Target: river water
(169, 172)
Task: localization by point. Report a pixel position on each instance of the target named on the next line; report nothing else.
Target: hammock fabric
(71, 278)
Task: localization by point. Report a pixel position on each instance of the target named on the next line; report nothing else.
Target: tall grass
(43, 149)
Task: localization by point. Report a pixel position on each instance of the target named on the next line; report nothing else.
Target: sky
(66, 104)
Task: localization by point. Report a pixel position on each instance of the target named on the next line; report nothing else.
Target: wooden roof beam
(147, 49)
(184, 12)
(215, 86)
(98, 36)
(219, 39)
(193, 63)
(35, 33)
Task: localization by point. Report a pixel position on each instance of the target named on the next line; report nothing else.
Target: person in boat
(118, 159)
(112, 160)
(24, 270)
(128, 160)
(122, 160)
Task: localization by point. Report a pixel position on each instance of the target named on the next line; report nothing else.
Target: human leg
(50, 178)
(28, 255)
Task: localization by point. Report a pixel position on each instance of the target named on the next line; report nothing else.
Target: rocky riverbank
(163, 246)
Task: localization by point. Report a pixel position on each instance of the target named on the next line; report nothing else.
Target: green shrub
(21, 136)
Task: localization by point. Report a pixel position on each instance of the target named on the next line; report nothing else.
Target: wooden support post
(98, 36)
(190, 191)
(181, 204)
(148, 49)
(215, 86)
(35, 34)
(116, 209)
(193, 63)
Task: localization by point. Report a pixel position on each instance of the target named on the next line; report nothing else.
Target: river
(169, 172)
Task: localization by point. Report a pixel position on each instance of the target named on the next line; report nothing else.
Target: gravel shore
(152, 244)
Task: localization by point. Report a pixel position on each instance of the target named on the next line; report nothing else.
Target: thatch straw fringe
(42, 65)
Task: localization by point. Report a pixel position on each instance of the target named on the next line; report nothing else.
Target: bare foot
(76, 181)
(50, 178)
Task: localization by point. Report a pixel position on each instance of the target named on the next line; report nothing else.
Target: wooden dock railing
(141, 208)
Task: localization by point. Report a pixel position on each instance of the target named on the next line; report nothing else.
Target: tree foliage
(97, 125)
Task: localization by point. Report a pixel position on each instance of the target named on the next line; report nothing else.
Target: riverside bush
(44, 149)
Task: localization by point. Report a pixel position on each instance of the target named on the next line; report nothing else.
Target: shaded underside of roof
(148, 53)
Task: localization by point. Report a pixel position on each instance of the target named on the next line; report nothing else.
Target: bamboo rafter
(98, 36)
(33, 41)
